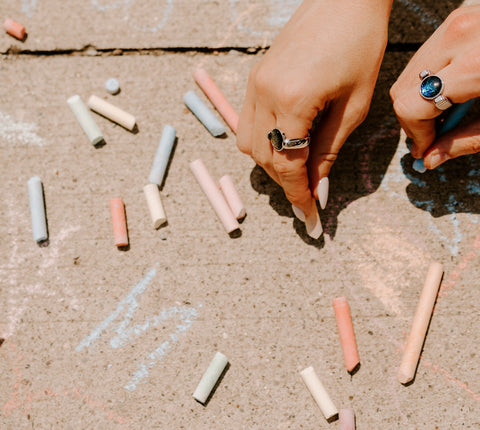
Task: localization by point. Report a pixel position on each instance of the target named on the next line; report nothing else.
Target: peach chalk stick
(232, 197)
(214, 196)
(215, 95)
(14, 28)
(154, 202)
(346, 419)
(345, 330)
(410, 357)
(111, 112)
(117, 210)
(318, 392)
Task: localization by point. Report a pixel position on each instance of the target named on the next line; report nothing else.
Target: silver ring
(431, 88)
(279, 141)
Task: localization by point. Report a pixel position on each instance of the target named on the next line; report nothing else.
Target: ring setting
(279, 141)
(431, 88)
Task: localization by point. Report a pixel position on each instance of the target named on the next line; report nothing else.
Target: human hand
(326, 59)
(453, 54)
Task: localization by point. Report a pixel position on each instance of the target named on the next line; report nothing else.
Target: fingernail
(419, 166)
(298, 213)
(437, 159)
(313, 225)
(322, 191)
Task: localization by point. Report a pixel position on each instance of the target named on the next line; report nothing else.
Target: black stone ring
(431, 88)
(279, 141)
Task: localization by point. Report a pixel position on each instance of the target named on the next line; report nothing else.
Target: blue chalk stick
(162, 155)
(37, 209)
(204, 114)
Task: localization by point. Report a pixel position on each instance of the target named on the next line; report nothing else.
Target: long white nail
(314, 225)
(298, 213)
(322, 191)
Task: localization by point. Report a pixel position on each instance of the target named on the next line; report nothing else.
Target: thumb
(453, 144)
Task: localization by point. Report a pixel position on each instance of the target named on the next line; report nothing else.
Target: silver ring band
(279, 141)
(431, 88)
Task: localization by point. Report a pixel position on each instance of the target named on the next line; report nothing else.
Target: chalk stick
(410, 357)
(214, 196)
(119, 223)
(232, 197)
(346, 419)
(37, 209)
(85, 119)
(218, 99)
(319, 393)
(111, 112)
(112, 86)
(210, 377)
(346, 333)
(14, 28)
(204, 114)
(164, 149)
(154, 202)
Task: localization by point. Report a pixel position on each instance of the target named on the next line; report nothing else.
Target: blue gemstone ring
(431, 88)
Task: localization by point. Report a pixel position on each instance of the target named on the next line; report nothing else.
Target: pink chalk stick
(214, 195)
(14, 28)
(119, 223)
(347, 335)
(215, 95)
(232, 197)
(346, 418)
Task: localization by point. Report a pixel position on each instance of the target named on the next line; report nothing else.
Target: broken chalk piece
(162, 156)
(418, 165)
(154, 202)
(210, 377)
(204, 114)
(346, 333)
(218, 99)
(319, 393)
(119, 222)
(111, 112)
(85, 119)
(232, 197)
(346, 419)
(416, 338)
(37, 209)
(14, 28)
(112, 86)
(214, 196)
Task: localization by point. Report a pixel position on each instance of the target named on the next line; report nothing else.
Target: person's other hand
(326, 59)
(453, 54)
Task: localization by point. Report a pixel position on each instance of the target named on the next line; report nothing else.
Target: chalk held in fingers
(214, 196)
(14, 28)
(119, 222)
(162, 156)
(154, 202)
(346, 333)
(410, 357)
(232, 197)
(210, 377)
(111, 112)
(346, 419)
(204, 114)
(319, 393)
(37, 209)
(218, 99)
(85, 119)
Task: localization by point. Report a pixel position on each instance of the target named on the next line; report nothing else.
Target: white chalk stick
(160, 162)
(37, 209)
(204, 114)
(210, 377)
(318, 392)
(111, 112)
(112, 86)
(408, 366)
(346, 419)
(85, 119)
(154, 202)
(214, 196)
(232, 197)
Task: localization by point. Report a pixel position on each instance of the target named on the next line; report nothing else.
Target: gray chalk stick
(162, 156)
(85, 119)
(204, 114)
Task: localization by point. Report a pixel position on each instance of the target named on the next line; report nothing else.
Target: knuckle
(460, 24)
(358, 111)
(244, 148)
(475, 144)
(402, 109)
(284, 168)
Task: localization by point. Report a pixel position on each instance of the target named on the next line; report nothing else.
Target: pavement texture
(93, 337)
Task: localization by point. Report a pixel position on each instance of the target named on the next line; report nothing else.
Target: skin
(326, 59)
(453, 54)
